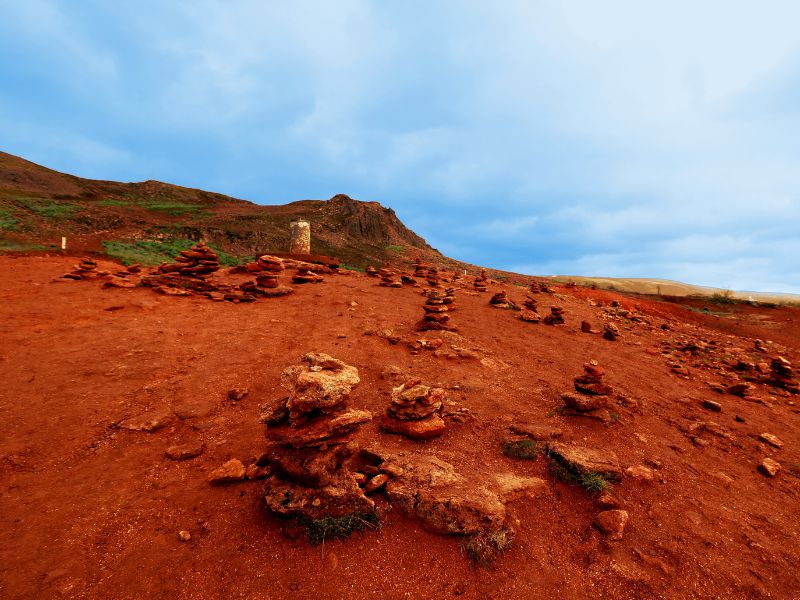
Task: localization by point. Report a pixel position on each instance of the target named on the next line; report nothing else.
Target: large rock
(320, 431)
(323, 383)
(612, 523)
(342, 496)
(584, 403)
(421, 429)
(586, 460)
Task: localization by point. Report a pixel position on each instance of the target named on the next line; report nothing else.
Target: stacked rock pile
(480, 282)
(500, 300)
(128, 277)
(310, 437)
(436, 308)
(420, 269)
(305, 274)
(389, 279)
(198, 261)
(407, 279)
(531, 312)
(592, 398)
(556, 316)
(370, 271)
(415, 411)
(432, 276)
(782, 375)
(85, 269)
(540, 287)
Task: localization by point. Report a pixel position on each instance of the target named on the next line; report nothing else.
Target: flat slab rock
(430, 489)
(586, 460)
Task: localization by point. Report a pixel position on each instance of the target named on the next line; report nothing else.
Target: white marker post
(63, 243)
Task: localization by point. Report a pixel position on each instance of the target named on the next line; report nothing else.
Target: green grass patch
(149, 252)
(592, 482)
(174, 208)
(47, 208)
(391, 248)
(332, 528)
(7, 220)
(114, 202)
(524, 449)
(352, 268)
(16, 247)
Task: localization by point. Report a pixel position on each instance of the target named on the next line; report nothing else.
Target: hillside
(38, 206)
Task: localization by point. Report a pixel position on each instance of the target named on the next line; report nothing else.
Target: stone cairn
(198, 261)
(531, 312)
(371, 271)
(420, 268)
(480, 282)
(436, 309)
(500, 300)
(592, 397)
(556, 316)
(305, 274)
(432, 276)
(310, 442)
(85, 269)
(415, 411)
(266, 268)
(782, 375)
(389, 279)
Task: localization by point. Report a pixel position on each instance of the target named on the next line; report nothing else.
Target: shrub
(7, 220)
(330, 528)
(591, 481)
(50, 209)
(484, 548)
(527, 449)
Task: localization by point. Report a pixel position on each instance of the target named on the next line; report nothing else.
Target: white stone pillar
(299, 237)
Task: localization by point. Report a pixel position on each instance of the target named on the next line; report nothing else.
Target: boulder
(586, 460)
(612, 523)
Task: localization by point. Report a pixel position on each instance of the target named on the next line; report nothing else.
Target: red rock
(772, 440)
(231, 471)
(769, 467)
(237, 394)
(377, 482)
(612, 523)
(422, 429)
(184, 451)
(254, 471)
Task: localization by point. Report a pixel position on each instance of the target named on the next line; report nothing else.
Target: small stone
(231, 471)
(184, 536)
(376, 483)
(237, 394)
(183, 451)
(361, 478)
(712, 406)
(769, 467)
(254, 471)
(612, 523)
(586, 327)
(770, 439)
(609, 500)
(640, 472)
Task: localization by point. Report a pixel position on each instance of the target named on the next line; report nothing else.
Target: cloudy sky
(616, 138)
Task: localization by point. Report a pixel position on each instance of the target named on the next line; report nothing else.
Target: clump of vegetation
(484, 548)
(15, 247)
(591, 481)
(525, 449)
(331, 528)
(7, 220)
(45, 207)
(723, 297)
(352, 268)
(114, 202)
(148, 252)
(174, 208)
(395, 248)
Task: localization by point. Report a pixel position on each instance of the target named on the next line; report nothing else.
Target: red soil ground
(88, 510)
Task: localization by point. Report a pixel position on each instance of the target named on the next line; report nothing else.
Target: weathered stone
(772, 440)
(319, 431)
(712, 406)
(639, 472)
(254, 472)
(274, 413)
(586, 460)
(184, 451)
(412, 400)
(341, 497)
(323, 383)
(184, 536)
(739, 389)
(147, 422)
(612, 523)
(377, 482)
(536, 432)
(769, 467)
(422, 429)
(510, 486)
(609, 500)
(231, 471)
(237, 394)
(584, 403)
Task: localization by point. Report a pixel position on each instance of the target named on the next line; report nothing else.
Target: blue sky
(615, 138)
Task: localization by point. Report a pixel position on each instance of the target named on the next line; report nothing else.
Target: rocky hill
(39, 205)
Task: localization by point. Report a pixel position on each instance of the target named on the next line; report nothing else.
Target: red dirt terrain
(92, 508)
